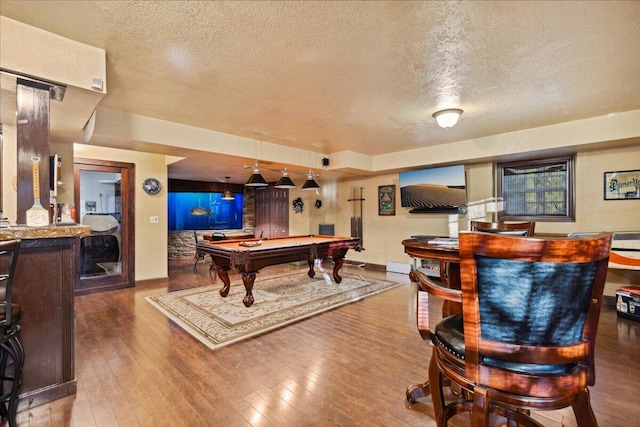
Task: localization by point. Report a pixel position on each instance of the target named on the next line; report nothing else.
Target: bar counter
(50, 232)
(46, 272)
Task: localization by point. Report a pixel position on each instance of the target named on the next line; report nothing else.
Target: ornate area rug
(279, 300)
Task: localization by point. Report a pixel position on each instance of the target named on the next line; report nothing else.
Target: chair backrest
(513, 228)
(531, 306)
(9, 250)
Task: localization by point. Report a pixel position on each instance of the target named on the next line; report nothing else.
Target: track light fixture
(256, 180)
(310, 183)
(285, 181)
(228, 195)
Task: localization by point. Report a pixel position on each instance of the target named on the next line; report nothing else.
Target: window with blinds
(537, 190)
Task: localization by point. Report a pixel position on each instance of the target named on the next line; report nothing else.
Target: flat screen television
(204, 211)
(441, 189)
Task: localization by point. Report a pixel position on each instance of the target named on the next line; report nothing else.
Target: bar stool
(11, 351)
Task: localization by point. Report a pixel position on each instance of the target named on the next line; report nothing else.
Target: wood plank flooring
(346, 367)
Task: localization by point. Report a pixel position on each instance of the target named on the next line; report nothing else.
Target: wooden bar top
(49, 232)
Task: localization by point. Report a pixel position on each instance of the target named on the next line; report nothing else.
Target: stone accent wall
(249, 208)
(182, 244)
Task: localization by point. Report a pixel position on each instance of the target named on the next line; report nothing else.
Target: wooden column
(32, 114)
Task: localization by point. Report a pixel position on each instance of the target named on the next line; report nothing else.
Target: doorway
(272, 213)
(104, 201)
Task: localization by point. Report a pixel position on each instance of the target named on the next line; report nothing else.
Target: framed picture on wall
(387, 200)
(90, 206)
(622, 185)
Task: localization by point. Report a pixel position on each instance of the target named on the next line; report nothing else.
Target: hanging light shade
(228, 195)
(285, 181)
(447, 118)
(256, 180)
(310, 183)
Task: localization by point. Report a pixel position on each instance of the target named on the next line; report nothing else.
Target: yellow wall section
(150, 239)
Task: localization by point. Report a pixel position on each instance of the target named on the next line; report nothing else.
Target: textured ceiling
(360, 76)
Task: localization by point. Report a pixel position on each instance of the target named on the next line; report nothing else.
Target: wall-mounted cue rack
(356, 221)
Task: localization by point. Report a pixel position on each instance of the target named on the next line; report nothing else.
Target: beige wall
(38, 53)
(65, 152)
(8, 182)
(382, 235)
(150, 239)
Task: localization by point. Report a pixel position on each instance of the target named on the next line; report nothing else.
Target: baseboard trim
(44, 395)
(151, 282)
(368, 266)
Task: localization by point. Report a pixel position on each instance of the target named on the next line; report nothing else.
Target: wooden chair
(512, 228)
(198, 256)
(526, 336)
(216, 236)
(447, 290)
(11, 351)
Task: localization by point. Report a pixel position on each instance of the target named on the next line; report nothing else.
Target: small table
(448, 258)
(248, 259)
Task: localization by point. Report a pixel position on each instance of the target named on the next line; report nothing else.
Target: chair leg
(198, 257)
(435, 385)
(12, 348)
(583, 411)
(516, 417)
(480, 406)
(3, 379)
(213, 268)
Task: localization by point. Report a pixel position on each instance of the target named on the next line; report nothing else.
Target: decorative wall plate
(298, 205)
(151, 186)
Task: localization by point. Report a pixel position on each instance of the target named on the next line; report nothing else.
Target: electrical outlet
(153, 219)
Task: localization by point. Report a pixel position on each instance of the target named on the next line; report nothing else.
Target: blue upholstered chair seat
(450, 334)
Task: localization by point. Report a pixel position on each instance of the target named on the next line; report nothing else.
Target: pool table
(250, 255)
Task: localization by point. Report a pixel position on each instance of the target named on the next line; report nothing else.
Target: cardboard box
(628, 302)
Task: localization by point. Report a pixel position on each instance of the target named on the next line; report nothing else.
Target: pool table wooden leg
(223, 274)
(337, 265)
(311, 272)
(248, 279)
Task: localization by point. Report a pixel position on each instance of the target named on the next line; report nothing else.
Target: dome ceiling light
(447, 118)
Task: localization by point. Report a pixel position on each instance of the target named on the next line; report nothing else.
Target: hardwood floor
(346, 367)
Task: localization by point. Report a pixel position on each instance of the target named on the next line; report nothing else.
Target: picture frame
(387, 200)
(622, 185)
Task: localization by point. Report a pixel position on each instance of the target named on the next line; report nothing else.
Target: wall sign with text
(622, 185)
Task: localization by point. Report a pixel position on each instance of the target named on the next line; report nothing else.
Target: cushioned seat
(198, 256)
(450, 335)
